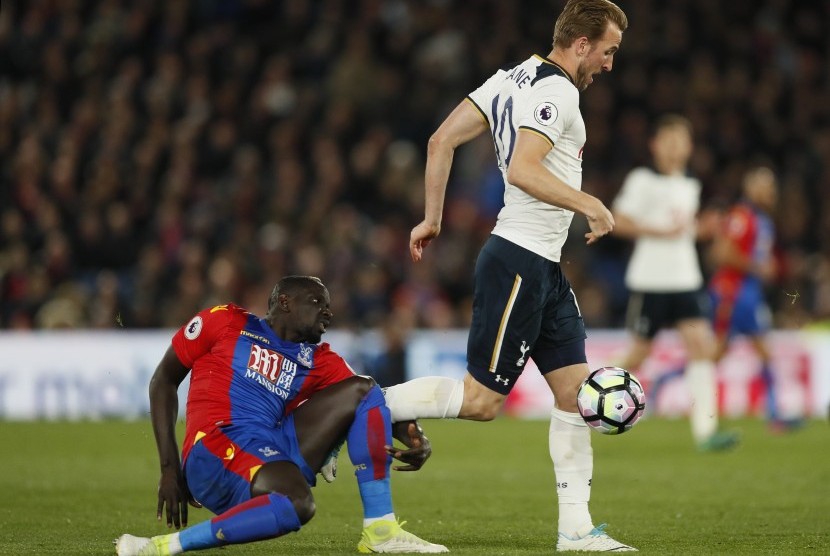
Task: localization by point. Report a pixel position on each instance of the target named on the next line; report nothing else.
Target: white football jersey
(661, 201)
(539, 96)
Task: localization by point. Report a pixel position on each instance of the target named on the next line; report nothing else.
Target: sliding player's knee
(304, 506)
(284, 479)
(361, 385)
(349, 394)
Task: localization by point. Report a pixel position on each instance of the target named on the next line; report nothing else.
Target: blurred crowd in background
(163, 156)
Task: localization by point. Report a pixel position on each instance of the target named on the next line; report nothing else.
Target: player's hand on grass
(418, 447)
(174, 496)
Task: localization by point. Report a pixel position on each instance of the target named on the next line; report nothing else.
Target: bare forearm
(439, 161)
(538, 182)
(462, 125)
(164, 410)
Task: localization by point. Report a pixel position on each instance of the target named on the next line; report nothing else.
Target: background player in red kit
(745, 263)
(266, 406)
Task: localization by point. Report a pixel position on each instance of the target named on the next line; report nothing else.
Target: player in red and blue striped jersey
(267, 404)
(745, 263)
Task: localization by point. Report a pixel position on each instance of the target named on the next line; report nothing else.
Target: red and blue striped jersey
(241, 372)
(753, 233)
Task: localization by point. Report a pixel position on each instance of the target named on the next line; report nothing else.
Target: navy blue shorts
(221, 465)
(648, 312)
(523, 307)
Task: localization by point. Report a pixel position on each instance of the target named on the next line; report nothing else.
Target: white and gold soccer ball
(611, 400)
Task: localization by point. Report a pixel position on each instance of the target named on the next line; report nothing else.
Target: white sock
(369, 520)
(430, 397)
(573, 463)
(700, 379)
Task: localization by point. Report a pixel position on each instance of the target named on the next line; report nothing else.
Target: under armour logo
(505, 381)
(524, 348)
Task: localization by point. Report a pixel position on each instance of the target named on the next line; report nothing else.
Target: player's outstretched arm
(173, 494)
(462, 125)
(419, 449)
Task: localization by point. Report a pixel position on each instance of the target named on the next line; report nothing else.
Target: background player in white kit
(523, 305)
(658, 209)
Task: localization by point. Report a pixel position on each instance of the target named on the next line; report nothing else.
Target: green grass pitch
(70, 488)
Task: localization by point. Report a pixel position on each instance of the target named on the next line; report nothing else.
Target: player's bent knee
(285, 479)
(564, 384)
(566, 399)
(305, 508)
(362, 384)
(567, 403)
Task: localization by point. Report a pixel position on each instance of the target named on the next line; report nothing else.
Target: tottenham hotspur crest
(304, 356)
(524, 348)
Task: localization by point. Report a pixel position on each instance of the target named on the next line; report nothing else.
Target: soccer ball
(611, 400)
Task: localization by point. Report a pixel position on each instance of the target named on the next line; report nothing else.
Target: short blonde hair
(586, 18)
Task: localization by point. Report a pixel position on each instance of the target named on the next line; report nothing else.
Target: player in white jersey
(523, 305)
(658, 209)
